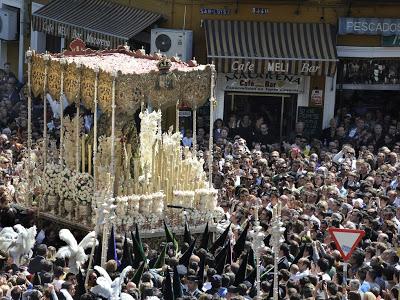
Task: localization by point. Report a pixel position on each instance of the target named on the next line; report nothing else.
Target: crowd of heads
(346, 177)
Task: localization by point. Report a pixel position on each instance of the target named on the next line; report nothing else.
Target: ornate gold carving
(71, 82)
(161, 89)
(54, 79)
(105, 92)
(37, 75)
(87, 88)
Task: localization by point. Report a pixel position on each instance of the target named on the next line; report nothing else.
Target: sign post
(346, 241)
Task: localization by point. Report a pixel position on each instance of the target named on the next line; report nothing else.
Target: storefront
(99, 23)
(369, 77)
(269, 70)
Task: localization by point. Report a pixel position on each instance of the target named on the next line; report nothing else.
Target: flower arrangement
(51, 179)
(83, 187)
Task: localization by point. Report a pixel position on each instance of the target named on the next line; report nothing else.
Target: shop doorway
(278, 110)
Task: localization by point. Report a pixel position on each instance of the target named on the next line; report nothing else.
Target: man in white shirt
(304, 269)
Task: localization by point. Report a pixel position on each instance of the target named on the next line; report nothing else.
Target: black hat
(241, 273)
(187, 237)
(240, 243)
(127, 258)
(205, 237)
(221, 239)
(185, 258)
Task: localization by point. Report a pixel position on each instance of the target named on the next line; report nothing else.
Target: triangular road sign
(346, 240)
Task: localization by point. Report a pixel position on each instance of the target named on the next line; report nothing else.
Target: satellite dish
(163, 42)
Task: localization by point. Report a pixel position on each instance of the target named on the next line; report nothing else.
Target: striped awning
(98, 23)
(264, 47)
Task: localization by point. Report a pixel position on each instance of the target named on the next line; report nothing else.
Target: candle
(89, 159)
(83, 154)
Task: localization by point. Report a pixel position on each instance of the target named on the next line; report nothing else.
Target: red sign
(346, 240)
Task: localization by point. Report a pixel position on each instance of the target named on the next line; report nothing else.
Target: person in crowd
(347, 177)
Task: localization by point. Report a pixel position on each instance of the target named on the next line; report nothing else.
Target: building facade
(289, 60)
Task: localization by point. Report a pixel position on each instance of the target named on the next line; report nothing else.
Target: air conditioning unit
(172, 42)
(8, 24)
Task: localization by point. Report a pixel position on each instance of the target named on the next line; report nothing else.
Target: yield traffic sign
(346, 240)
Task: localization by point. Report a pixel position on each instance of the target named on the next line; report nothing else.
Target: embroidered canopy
(139, 77)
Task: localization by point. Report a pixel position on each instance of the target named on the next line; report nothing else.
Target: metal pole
(78, 123)
(276, 236)
(46, 58)
(112, 166)
(29, 54)
(345, 272)
(211, 139)
(63, 62)
(96, 81)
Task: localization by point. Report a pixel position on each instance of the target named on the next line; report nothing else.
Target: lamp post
(276, 239)
(258, 242)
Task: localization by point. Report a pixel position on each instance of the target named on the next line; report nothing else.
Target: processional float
(143, 174)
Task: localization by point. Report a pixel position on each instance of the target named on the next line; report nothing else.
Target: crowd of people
(349, 177)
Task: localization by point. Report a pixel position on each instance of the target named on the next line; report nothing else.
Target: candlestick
(96, 71)
(46, 59)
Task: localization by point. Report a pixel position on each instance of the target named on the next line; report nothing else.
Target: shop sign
(215, 11)
(369, 26)
(391, 41)
(260, 10)
(282, 67)
(316, 97)
(65, 31)
(270, 83)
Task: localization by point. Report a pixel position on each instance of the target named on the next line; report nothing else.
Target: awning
(283, 48)
(98, 23)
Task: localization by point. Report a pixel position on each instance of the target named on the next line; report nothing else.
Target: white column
(329, 100)
(219, 96)
(302, 98)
